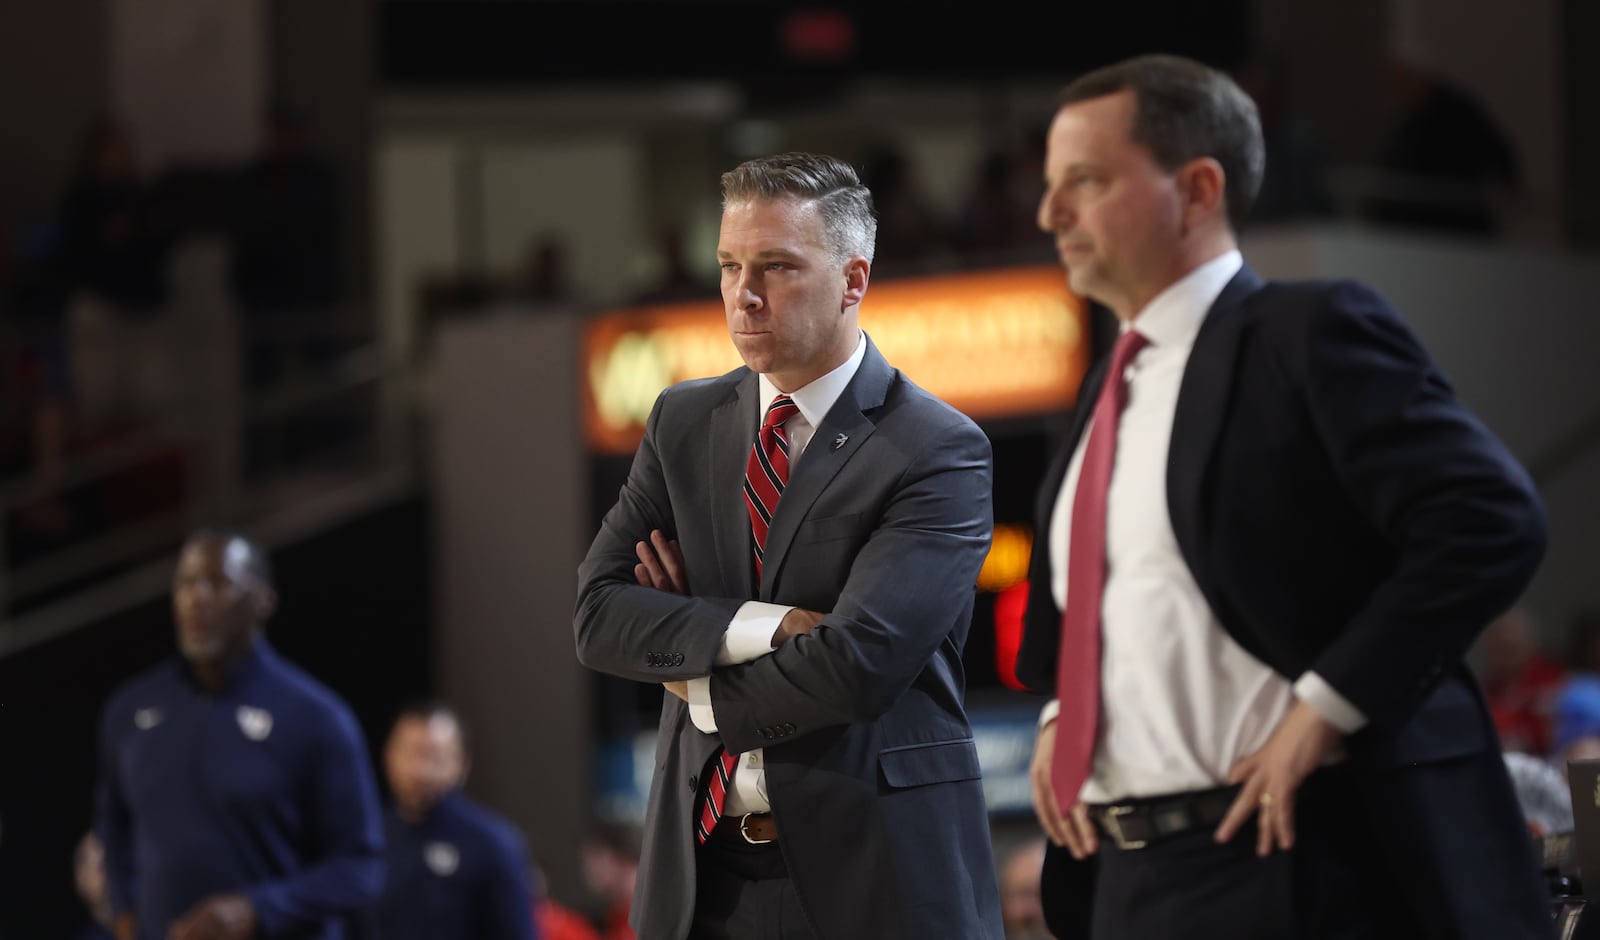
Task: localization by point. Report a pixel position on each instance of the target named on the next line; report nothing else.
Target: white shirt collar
(816, 398)
(1174, 316)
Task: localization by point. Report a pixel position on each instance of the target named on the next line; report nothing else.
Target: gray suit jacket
(870, 764)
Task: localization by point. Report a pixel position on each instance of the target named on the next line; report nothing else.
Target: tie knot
(782, 409)
(1127, 346)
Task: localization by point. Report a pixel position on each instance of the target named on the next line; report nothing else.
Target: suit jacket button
(649, 659)
(677, 659)
(694, 783)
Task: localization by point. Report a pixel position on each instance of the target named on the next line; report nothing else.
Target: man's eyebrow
(780, 253)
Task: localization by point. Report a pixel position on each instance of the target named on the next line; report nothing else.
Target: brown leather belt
(757, 828)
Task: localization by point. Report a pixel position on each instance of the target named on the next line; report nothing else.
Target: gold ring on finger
(1266, 801)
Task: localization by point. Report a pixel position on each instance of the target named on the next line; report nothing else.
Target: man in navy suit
(1280, 547)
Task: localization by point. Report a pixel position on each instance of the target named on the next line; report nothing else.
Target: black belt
(754, 828)
(1134, 824)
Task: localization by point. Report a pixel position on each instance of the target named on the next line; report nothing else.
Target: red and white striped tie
(718, 780)
(764, 479)
(768, 471)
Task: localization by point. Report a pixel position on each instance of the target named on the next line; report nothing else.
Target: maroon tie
(764, 479)
(1078, 667)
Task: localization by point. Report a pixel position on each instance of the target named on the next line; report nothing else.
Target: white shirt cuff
(749, 634)
(1050, 712)
(700, 705)
(1316, 692)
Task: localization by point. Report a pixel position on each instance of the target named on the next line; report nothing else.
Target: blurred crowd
(97, 347)
(1546, 708)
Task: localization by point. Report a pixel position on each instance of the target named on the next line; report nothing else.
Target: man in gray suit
(793, 556)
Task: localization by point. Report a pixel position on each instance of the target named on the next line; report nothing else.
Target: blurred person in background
(1021, 904)
(286, 278)
(235, 799)
(117, 237)
(610, 858)
(1542, 792)
(994, 219)
(554, 920)
(285, 250)
(1520, 681)
(1452, 166)
(1577, 721)
(89, 878)
(455, 869)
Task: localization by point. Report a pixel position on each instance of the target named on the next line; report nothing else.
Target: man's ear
(856, 273)
(1202, 184)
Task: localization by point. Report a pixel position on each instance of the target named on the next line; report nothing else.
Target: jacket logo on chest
(146, 718)
(442, 858)
(256, 723)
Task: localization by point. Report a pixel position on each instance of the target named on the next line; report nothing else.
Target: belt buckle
(1112, 820)
(745, 821)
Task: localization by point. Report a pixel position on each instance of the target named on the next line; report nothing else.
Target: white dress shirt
(749, 634)
(1181, 701)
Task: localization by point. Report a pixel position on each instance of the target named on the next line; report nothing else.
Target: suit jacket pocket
(916, 765)
(829, 528)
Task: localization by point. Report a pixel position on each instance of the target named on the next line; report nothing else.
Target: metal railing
(53, 590)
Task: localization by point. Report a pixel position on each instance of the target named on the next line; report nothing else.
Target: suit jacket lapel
(825, 456)
(1202, 404)
(731, 434)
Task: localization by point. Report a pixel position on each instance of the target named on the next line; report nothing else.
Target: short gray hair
(849, 225)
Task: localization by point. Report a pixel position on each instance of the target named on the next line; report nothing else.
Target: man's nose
(1054, 213)
(750, 293)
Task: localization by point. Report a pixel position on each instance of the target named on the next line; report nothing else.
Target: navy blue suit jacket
(1343, 513)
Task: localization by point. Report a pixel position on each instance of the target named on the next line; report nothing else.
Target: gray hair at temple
(848, 221)
(1186, 110)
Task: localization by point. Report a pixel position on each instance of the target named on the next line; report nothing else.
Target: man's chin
(199, 650)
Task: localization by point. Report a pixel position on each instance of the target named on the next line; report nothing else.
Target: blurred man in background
(89, 878)
(610, 858)
(236, 799)
(1021, 909)
(456, 869)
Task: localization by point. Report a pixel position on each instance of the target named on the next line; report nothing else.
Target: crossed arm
(661, 567)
